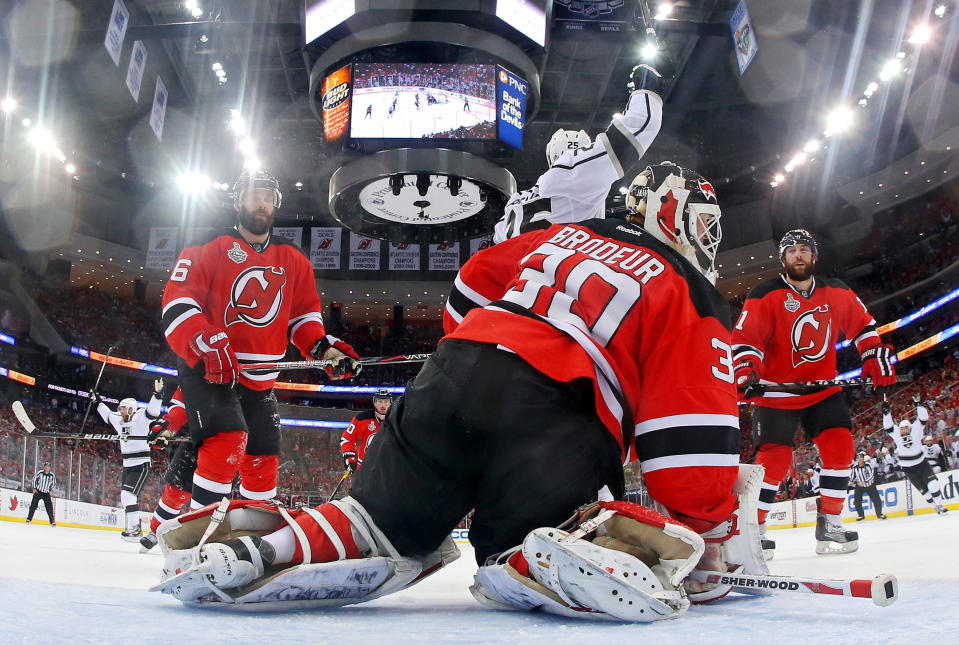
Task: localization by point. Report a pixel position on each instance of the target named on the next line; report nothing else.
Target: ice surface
(75, 585)
(407, 121)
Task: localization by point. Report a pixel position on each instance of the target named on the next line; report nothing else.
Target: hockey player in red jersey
(551, 376)
(356, 438)
(787, 331)
(237, 300)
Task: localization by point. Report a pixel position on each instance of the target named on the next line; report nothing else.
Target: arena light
(8, 105)
(940, 11)
(811, 146)
(69, 168)
(247, 147)
(193, 7)
(649, 51)
(920, 35)
(192, 183)
(839, 120)
(890, 69)
(237, 123)
(779, 178)
(871, 89)
(663, 11)
(798, 159)
(251, 164)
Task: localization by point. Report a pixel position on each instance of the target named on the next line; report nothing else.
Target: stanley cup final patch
(791, 303)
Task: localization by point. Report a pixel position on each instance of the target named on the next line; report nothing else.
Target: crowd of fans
(482, 130)
(471, 80)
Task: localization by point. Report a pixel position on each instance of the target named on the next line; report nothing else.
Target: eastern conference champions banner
(162, 251)
(445, 257)
(325, 247)
(364, 253)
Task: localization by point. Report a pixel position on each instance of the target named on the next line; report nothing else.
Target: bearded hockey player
(581, 171)
(571, 329)
(133, 426)
(364, 426)
(787, 331)
(239, 299)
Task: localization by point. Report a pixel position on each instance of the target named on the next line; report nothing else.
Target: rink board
(898, 499)
(14, 505)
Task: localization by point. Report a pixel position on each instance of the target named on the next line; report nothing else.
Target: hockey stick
(338, 484)
(314, 364)
(20, 412)
(95, 386)
(883, 589)
(808, 387)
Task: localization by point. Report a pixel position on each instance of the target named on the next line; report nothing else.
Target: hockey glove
(644, 77)
(349, 461)
(219, 361)
(345, 362)
(886, 408)
(747, 381)
(159, 435)
(876, 365)
(917, 398)
(94, 399)
(158, 386)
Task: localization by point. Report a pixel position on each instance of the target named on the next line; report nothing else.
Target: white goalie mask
(679, 207)
(563, 140)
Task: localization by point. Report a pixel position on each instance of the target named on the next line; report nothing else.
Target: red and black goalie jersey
(605, 301)
(262, 299)
(792, 336)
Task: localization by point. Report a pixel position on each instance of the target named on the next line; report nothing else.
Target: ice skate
(147, 542)
(832, 538)
(132, 535)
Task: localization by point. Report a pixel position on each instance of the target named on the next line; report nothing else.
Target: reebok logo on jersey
(811, 335)
(256, 296)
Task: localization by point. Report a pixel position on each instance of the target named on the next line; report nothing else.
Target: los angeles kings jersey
(792, 336)
(909, 448)
(605, 301)
(262, 299)
(575, 188)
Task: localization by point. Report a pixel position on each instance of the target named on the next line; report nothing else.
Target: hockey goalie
(551, 376)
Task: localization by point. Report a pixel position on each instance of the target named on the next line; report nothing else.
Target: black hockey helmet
(798, 236)
(382, 394)
(258, 179)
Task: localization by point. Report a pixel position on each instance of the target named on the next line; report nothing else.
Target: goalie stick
(20, 412)
(315, 364)
(883, 589)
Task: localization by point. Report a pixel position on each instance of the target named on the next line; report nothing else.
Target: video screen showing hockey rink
(60, 584)
(423, 100)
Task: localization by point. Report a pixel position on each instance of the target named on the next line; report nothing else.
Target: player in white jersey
(912, 457)
(889, 465)
(133, 426)
(581, 171)
(933, 452)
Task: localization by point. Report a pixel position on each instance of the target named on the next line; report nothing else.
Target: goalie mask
(679, 207)
(253, 180)
(563, 140)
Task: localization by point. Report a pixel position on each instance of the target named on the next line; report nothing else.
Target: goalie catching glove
(345, 362)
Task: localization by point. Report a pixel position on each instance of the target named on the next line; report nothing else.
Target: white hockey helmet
(679, 207)
(905, 424)
(927, 440)
(128, 403)
(563, 140)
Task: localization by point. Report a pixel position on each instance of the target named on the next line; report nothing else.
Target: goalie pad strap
(302, 542)
(329, 530)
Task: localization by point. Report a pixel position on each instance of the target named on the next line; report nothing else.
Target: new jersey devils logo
(811, 335)
(256, 296)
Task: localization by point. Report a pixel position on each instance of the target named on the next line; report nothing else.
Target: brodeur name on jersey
(606, 301)
(262, 299)
(792, 336)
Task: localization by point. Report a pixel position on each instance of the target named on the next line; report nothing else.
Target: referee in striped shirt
(863, 477)
(43, 483)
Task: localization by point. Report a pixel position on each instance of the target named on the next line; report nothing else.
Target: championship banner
(404, 257)
(445, 257)
(292, 233)
(336, 103)
(138, 61)
(117, 30)
(325, 247)
(162, 251)
(158, 113)
(364, 253)
(477, 244)
(744, 37)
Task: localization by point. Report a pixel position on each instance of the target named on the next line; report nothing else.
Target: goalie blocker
(623, 562)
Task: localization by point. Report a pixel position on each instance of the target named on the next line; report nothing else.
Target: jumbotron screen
(423, 100)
